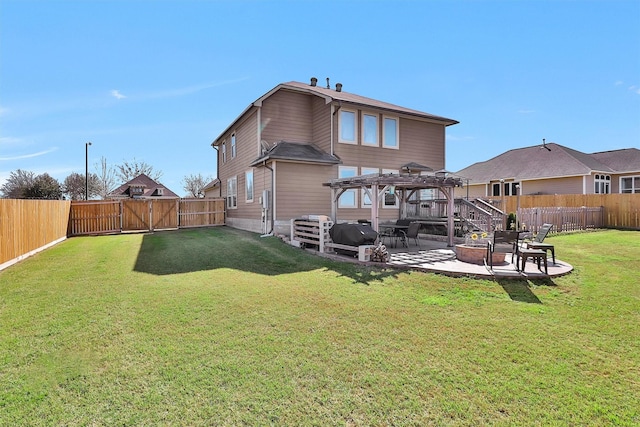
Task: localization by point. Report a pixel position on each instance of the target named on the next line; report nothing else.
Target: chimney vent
(314, 81)
(328, 85)
(338, 87)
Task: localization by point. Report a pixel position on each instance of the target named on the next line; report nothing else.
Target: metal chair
(537, 242)
(411, 233)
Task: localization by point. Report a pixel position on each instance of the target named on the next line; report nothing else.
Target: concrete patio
(435, 256)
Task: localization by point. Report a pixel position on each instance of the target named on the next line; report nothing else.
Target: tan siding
(321, 124)
(287, 116)
(300, 190)
(247, 151)
(570, 185)
(420, 142)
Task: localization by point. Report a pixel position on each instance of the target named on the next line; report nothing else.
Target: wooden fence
(619, 210)
(115, 216)
(29, 226)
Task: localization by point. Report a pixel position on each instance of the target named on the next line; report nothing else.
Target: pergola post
(450, 219)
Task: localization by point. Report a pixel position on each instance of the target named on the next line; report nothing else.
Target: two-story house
(274, 158)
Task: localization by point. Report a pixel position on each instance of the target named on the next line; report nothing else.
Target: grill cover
(353, 234)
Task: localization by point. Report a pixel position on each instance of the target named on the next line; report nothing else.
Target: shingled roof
(297, 152)
(559, 161)
(150, 189)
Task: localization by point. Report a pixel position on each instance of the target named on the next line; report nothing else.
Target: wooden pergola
(404, 185)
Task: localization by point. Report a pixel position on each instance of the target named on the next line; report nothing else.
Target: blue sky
(157, 81)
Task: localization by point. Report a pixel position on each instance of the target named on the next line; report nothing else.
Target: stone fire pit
(475, 254)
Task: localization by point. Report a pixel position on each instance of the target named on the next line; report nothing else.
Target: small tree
(17, 184)
(74, 186)
(127, 171)
(194, 185)
(44, 187)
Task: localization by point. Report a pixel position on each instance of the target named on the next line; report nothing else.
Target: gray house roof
(297, 152)
(559, 161)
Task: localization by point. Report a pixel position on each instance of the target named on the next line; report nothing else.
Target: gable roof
(559, 161)
(150, 187)
(331, 95)
(297, 152)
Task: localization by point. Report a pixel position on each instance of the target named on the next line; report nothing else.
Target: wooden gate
(136, 215)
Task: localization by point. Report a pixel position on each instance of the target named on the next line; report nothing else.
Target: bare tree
(194, 185)
(74, 186)
(129, 170)
(106, 178)
(17, 184)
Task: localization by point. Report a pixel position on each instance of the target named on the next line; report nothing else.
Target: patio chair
(504, 241)
(411, 233)
(523, 253)
(537, 242)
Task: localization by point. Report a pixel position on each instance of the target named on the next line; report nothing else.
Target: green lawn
(221, 327)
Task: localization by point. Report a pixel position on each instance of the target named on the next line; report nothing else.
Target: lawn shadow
(207, 249)
(518, 290)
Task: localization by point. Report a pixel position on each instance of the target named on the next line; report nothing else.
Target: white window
(248, 185)
(511, 188)
(630, 184)
(233, 145)
(347, 129)
(390, 135)
(602, 184)
(366, 200)
(370, 129)
(232, 193)
(224, 151)
(348, 198)
(390, 196)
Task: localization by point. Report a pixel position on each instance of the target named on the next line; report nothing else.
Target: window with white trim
(370, 129)
(232, 192)
(630, 184)
(390, 133)
(233, 145)
(602, 184)
(348, 198)
(366, 200)
(248, 185)
(511, 188)
(347, 129)
(390, 196)
(224, 151)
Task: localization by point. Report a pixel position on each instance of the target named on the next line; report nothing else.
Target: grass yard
(221, 327)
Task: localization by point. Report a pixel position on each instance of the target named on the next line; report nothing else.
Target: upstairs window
(370, 129)
(602, 184)
(630, 184)
(390, 135)
(233, 145)
(224, 152)
(347, 131)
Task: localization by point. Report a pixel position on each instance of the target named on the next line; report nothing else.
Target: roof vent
(314, 81)
(338, 87)
(328, 85)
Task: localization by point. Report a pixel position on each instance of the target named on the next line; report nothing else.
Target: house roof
(331, 95)
(150, 188)
(213, 184)
(297, 152)
(558, 161)
(621, 161)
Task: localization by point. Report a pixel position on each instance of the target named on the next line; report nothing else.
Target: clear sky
(157, 81)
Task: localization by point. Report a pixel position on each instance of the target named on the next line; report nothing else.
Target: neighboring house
(212, 189)
(274, 158)
(142, 187)
(554, 169)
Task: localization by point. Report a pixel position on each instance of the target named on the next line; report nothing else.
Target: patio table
(394, 232)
